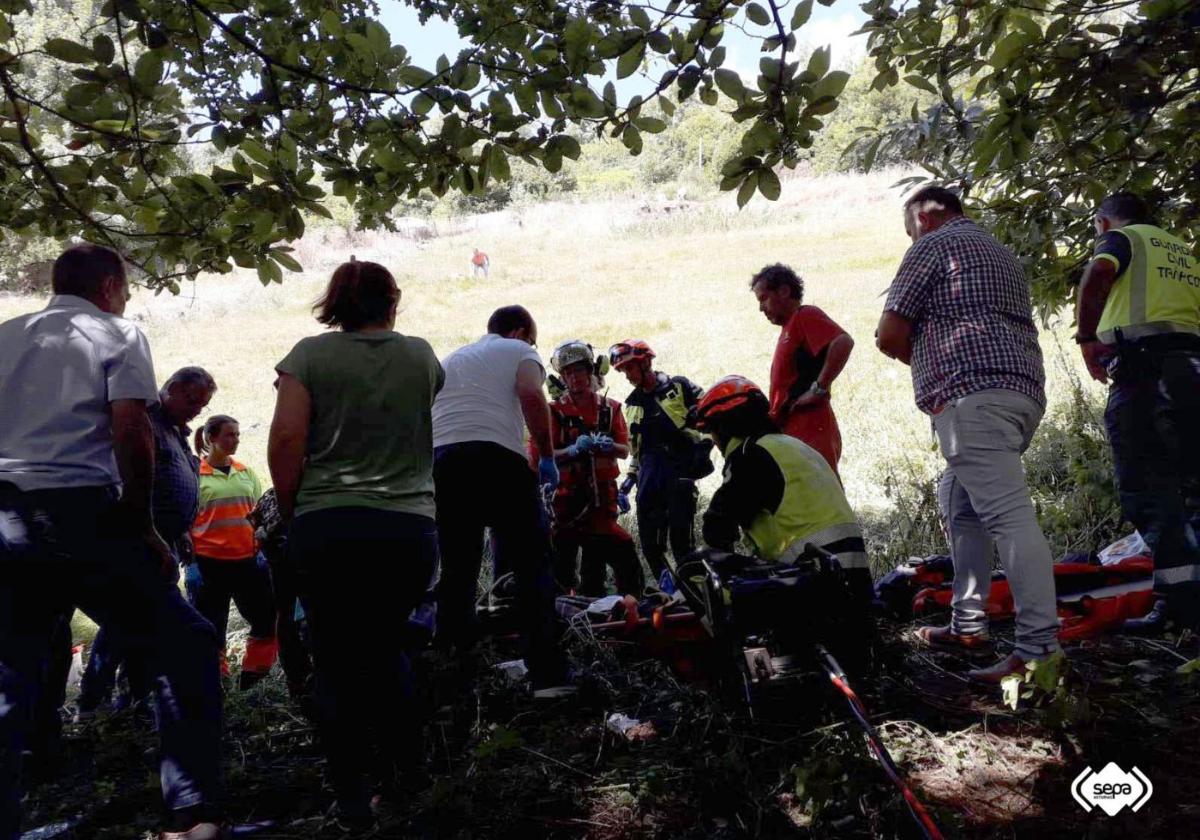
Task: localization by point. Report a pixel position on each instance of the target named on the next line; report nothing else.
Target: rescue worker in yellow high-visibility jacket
(226, 552)
(1139, 329)
(778, 491)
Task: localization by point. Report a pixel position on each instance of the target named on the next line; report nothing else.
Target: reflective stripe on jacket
(221, 530)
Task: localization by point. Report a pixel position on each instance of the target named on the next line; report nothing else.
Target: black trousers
(484, 485)
(1153, 411)
(359, 573)
(667, 515)
(600, 550)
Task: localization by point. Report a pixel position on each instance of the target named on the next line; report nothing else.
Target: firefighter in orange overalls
(590, 436)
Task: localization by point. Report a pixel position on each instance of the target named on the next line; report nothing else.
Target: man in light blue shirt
(76, 529)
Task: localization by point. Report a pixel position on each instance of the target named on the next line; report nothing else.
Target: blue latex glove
(623, 502)
(583, 444)
(604, 443)
(191, 575)
(627, 484)
(548, 472)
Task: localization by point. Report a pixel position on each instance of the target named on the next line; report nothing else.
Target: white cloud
(835, 32)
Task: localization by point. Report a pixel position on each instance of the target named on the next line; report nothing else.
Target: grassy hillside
(673, 273)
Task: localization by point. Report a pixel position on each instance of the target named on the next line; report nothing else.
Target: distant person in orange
(479, 264)
(811, 353)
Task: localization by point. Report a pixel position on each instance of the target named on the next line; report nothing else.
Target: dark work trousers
(1153, 413)
(360, 572)
(482, 485)
(614, 547)
(45, 743)
(666, 514)
(247, 583)
(293, 653)
(100, 674)
(61, 549)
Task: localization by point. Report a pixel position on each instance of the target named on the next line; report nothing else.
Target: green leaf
(149, 69)
(422, 103)
(69, 51)
(1007, 49)
(730, 83)
(566, 146)
(758, 14)
(1011, 687)
(818, 62)
(629, 63)
(868, 159)
(331, 23)
(268, 272)
(104, 49)
(632, 138)
(830, 86)
(640, 17)
(802, 14)
(652, 125)
(768, 184)
(746, 190)
(286, 260)
(920, 82)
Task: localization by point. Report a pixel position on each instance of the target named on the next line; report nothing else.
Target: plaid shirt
(973, 328)
(176, 494)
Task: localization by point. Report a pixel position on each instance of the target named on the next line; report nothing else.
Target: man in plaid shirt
(959, 313)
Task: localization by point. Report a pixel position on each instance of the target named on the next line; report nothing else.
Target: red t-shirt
(798, 355)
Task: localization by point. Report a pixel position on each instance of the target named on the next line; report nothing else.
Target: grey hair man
(959, 312)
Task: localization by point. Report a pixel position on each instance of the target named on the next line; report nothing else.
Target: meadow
(673, 273)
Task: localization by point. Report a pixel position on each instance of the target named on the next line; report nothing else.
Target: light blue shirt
(59, 370)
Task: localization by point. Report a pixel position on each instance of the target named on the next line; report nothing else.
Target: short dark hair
(82, 269)
(1126, 206)
(359, 294)
(508, 318)
(944, 198)
(774, 276)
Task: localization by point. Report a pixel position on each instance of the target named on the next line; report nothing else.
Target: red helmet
(729, 394)
(624, 352)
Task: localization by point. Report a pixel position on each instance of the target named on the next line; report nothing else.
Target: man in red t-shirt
(590, 435)
(811, 352)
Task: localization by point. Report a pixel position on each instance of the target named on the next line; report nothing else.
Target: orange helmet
(729, 394)
(624, 352)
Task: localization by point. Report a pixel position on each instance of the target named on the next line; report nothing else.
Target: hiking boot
(994, 675)
(200, 831)
(943, 638)
(1153, 623)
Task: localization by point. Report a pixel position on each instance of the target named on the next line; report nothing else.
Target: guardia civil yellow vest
(814, 507)
(1159, 292)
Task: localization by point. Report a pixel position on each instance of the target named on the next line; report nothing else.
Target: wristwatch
(1085, 339)
(817, 390)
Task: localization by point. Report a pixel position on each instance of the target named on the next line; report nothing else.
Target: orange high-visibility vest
(221, 530)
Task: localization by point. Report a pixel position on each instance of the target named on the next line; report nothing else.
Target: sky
(829, 25)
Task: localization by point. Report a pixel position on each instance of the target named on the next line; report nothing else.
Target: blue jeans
(1153, 412)
(61, 549)
(360, 572)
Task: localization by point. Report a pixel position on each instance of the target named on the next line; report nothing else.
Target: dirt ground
(701, 764)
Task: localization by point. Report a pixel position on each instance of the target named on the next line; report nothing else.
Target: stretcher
(1092, 598)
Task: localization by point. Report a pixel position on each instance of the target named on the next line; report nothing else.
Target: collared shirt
(176, 495)
(968, 300)
(222, 530)
(60, 368)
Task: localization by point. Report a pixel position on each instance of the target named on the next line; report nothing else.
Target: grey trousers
(986, 505)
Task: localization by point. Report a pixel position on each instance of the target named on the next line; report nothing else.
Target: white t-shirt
(59, 370)
(479, 400)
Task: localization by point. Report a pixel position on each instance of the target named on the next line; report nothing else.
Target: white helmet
(571, 352)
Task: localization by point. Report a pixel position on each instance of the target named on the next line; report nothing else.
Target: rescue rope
(838, 677)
